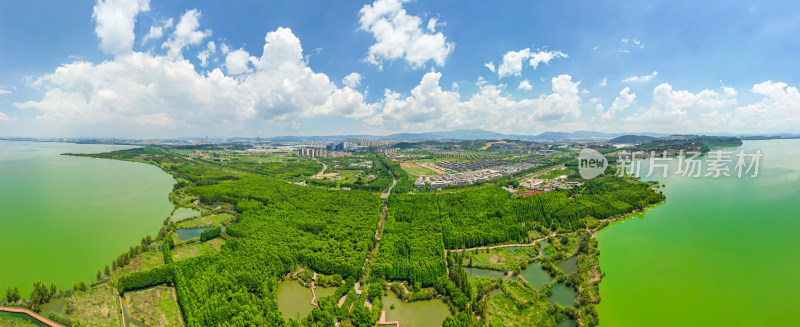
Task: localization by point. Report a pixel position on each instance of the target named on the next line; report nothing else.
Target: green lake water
(430, 313)
(294, 299)
(568, 266)
(719, 252)
(535, 275)
(478, 272)
(65, 217)
(563, 295)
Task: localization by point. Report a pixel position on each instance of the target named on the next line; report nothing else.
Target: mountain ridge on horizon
(465, 134)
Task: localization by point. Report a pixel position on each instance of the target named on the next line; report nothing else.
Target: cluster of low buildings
(627, 156)
(470, 165)
(457, 154)
(472, 177)
(543, 185)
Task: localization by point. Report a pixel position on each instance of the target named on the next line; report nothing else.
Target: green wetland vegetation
(433, 264)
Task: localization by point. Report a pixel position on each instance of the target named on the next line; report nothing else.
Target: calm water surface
(719, 252)
(535, 275)
(430, 313)
(65, 217)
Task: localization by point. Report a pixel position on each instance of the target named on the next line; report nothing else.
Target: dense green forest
(328, 231)
(280, 225)
(420, 227)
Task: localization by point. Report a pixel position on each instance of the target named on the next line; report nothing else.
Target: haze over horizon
(142, 69)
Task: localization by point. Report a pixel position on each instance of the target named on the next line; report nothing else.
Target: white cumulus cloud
(237, 62)
(211, 48)
(157, 31)
(525, 85)
(779, 110)
(185, 34)
(512, 63)
(624, 101)
(431, 107)
(400, 35)
(352, 80)
(680, 111)
(115, 21)
(132, 93)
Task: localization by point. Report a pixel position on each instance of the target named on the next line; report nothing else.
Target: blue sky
(194, 68)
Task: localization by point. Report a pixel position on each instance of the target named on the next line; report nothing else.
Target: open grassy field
(198, 249)
(503, 259)
(557, 172)
(96, 307)
(416, 170)
(142, 262)
(283, 166)
(15, 322)
(519, 305)
(205, 221)
(156, 306)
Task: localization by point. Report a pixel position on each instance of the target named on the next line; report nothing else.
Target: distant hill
(459, 135)
(631, 139)
(479, 134)
(551, 136)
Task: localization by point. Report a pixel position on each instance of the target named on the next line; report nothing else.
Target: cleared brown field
(408, 165)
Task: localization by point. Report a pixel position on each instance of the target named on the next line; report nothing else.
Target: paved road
(389, 191)
(324, 167)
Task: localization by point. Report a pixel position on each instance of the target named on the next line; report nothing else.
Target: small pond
(190, 233)
(430, 313)
(535, 275)
(294, 299)
(563, 295)
(568, 266)
(475, 272)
